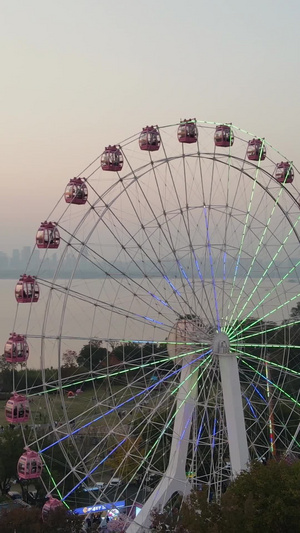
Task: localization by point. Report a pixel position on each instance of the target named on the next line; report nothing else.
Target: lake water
(125, 313)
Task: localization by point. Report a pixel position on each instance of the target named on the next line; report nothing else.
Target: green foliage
(62, 520)
(125, 459)
(295, 311)
(92, 355)
(264, 499)
(29, 520)
(21, 520)
(69, 358)
(193, 515)
(26, 378)
(11, 448)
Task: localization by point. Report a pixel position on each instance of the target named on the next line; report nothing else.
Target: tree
(62, 520)
(266, 498)
(11, 448)
(69, 358)
(21, 520)
(91, 355)
(27, 520)
(126, 457)
(295, 312)
(120, 524)
(192, 515)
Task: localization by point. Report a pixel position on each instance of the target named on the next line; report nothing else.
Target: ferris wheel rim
(82, 468)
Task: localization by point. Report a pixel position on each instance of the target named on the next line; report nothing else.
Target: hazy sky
(77, 75)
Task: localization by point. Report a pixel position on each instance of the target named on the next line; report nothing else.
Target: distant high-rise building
(34, 261)
(15, 262)
(3, 261)
(25, 256)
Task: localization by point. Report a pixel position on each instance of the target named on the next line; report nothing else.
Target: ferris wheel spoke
(182, 209)
(288, 301)
(170, 419)
(282, 327)
(245, 225)
(172, 246)
(103, 305)
(157, 266)
(212, 270)
(275, 385)
(258, 249)
(270, 292)
(193, 252)
(132, 280)
(123, 440)
(264, 361)
(131, 257)
(57, 385)
(188, 228)
(267, 415)
(113, 409)
(227, 214)
(167, 234)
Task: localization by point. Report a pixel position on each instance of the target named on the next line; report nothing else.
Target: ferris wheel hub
(220, 344)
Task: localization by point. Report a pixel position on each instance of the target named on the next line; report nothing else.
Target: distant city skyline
(31, 261)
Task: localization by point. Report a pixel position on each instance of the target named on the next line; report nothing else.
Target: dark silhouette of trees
(29, 520)
(92, 355)
(295, 312)
(264, 499)
(11, 448)
(69, 358)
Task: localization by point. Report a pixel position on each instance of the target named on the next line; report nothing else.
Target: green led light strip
(262, 278)
(254, 259)
(54, 483)
(112, 374)
(229, 329)
(276, 386)
(271, 363)
(287, 324)
(265, 316)
(271, 382)
(264, 345)
(207, 360)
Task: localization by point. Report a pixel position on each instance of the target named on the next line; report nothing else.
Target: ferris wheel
(170, 264)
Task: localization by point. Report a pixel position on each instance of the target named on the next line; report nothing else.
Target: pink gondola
(16, 349)
(27, 289)
(76, 192)
(187, 131)
(29, 465)
(284, 172)
(112, 159)
(224, 136)
(256, 150)
(47, 235)
(52, 504)
(149, 139)
(17, 409)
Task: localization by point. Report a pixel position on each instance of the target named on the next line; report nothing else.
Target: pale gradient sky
(77, 75)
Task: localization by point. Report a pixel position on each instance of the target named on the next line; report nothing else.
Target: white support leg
(174, 479)
(238, 448)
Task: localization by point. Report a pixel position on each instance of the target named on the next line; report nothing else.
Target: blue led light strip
(212, 268)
